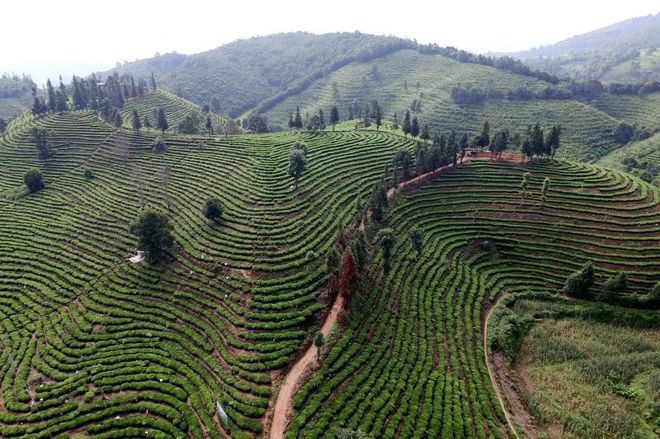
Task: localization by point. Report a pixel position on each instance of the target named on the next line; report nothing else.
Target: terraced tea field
(176, 109)
(407, 76)
(411, 361)
(94, 344)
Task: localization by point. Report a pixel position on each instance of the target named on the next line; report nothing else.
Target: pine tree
(51, 95)
(414, 127)
(298, 123)
(63, 90)
(136, 122)
(118, 119)
(162, 120)
(60, 102)
(334, 117)
(348, 278)
(378, 115)
(209, 126)
(385, 238)
(133, 88)
(425, 133)
(406, 123)
(153, 81)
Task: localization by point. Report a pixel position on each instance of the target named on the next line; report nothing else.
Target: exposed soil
(297, 376)
(507, 383)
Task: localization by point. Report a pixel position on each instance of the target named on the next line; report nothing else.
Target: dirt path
(492, 374)
(297, 375)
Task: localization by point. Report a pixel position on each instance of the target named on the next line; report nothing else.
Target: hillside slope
(159, 346)
(235, 77)
(624, 51)
(407, 76)
(176, 110)
(411, 361)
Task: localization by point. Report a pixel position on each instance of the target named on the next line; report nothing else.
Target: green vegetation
(591, 370)
(180, 115)
(232, 303)
(15, 95)
(624, 52)
(410, 362)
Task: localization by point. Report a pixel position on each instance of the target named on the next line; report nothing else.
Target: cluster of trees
(537, 144)
(444, 150)
(42, 143)
(411, 126)
(15, 86)
(315, 122)
(3, 126)
(106, 98)
(646, 170)
(586, 90)
(506, 63)
(33, 180)
(580, 284)
(624, 133)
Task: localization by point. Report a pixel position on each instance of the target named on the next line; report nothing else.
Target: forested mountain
(625, 51)
(235, 77)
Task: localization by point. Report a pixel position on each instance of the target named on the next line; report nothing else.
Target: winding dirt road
(298, 374)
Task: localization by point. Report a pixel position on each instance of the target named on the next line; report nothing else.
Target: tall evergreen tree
(63, 90)
(298, 123)
(334, 116)
(60, 102)
(483, 139)
(414, 127)
(537, 142)
(406, 123)
(133, 88)
(385, 239)
(162, 120)
(136, 123)
(51, 95)
(209, 126)
(378, 116)
(425, 132)
(153, 81)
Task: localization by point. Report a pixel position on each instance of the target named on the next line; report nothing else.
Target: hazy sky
(44, 37)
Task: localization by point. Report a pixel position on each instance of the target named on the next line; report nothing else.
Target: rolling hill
(318, 71)
(624, 52)
(94, 344)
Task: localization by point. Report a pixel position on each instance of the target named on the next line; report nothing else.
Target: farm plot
(411, 361)
(92, 344)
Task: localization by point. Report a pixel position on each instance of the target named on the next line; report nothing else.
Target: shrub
(213, 209)
(579, 283)
(615, 284)
(89, 174)
(33, 180)
(159, 145)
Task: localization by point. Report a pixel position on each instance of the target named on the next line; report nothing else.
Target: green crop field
(411, 362)
(94, 343)
(429, 79)
(176, 109)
